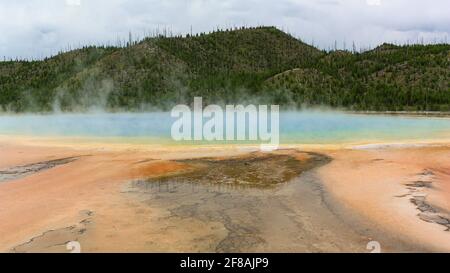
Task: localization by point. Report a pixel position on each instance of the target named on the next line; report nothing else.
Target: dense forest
(245, 65)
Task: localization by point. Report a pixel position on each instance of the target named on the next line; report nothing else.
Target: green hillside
(407, 78)
(259, 65)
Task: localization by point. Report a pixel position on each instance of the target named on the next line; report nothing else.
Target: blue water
(295, 127)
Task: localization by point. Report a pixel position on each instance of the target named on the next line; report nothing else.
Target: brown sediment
(218, 199)
(255, 169)
(194, 216)
(250, 199)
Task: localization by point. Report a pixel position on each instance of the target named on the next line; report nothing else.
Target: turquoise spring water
(295, 127)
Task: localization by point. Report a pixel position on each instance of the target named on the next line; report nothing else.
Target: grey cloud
(33, 28)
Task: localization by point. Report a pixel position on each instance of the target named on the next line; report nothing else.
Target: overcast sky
(37, 28)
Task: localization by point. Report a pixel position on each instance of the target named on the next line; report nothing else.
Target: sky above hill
(39, 28)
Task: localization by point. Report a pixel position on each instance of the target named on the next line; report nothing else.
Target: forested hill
(258, 65)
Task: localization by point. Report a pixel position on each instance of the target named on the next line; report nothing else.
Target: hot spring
(302, 127)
